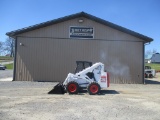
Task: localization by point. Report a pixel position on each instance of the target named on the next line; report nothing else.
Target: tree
(1, 47)
(10, 46)
(151, 52)
(154, 51)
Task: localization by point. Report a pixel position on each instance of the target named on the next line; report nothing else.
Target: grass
(9, 66)
(153, 66)
(5, 58)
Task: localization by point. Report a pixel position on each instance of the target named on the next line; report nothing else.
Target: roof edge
(120, 28)
(43, 24)
(80, 14)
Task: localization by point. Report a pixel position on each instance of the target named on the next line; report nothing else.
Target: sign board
(81, 32)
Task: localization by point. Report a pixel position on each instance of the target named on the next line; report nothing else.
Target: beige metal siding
(46, 56)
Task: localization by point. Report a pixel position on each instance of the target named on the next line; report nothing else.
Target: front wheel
(72, 87)
(93, 88)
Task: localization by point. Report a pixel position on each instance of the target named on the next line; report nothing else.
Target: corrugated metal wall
(49, 55)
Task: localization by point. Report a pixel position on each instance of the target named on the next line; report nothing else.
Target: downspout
(144, 61)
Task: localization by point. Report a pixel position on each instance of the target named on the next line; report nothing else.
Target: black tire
(93, 88)
(150, 76)
(146, 76)
(72, 87)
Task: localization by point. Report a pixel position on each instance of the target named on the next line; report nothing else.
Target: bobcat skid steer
(88, 76)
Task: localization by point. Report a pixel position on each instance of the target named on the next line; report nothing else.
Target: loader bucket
(58, 89)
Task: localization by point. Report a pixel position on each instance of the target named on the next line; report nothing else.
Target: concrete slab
(6, 79)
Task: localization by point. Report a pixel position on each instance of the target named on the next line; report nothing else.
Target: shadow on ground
(102, 92)
(151, 82)
(83, 92)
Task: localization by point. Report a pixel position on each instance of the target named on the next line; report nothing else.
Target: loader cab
(81, 65)
(147, 67)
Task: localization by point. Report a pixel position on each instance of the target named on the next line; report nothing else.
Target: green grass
(153, 66)
(9, 66)
(6, 58)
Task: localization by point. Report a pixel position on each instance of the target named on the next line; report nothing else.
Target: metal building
(48, 51)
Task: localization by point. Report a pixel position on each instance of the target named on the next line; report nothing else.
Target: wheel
(93, 88)
(145, 75)
(150, 76)
(72, 87)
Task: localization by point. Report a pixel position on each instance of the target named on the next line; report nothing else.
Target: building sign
(81, 32)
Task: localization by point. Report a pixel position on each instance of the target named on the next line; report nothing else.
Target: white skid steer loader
(93, 77)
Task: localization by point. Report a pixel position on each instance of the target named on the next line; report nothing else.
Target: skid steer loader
(88, 76)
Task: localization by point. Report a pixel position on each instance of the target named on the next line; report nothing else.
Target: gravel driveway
(6, 73)
(30, 101)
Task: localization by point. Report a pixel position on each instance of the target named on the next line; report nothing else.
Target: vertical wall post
(143, 63)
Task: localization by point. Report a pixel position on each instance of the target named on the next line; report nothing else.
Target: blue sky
(142, 16)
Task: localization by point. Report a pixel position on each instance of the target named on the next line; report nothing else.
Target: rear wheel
(72, 87)
(93, 88)
(150, 76)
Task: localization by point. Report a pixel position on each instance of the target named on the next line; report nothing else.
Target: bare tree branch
(151, 52)
(10, 46)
